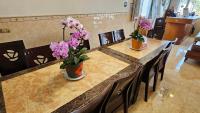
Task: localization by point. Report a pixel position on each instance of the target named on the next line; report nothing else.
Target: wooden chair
(134, 88)
(119, 35)
(12, 57)
(160, 23)
(163, 60)
(150, 71)
(153, 67)
(94, 106)
(38, 56)
(150, 33)
(118, 96)
(85, 44)
(159, 28)
(106, 38)
(123, 89)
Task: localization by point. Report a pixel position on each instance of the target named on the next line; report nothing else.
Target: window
(182, 5)
(145, 7)
(153, 8)
(194, 6)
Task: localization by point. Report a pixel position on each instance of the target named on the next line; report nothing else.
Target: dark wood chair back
(150, 71)
(159, 28)
(153, 67)
(165, 55)
(85, 44)
(38, 56)
(119, 35)
(94, 106)
(123, 90)
(160, 23)
(163, 59)
(134, 88)
(117, 96)
(150, 68)
(155, 62)
(150, 33)
(106, 38)
(12, 57)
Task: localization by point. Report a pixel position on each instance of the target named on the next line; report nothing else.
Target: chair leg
(146, 91)
(155, 80)
(162, 74)
(126, 105)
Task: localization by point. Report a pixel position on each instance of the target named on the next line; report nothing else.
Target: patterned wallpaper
(42, 30)
(36, 18)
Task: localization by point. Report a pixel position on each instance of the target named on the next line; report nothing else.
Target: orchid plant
(70, 50)
(145, 23)
(142, 23)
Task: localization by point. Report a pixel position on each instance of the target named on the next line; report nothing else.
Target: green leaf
(76, 60)
(80, 52)
(83, 57)
(83, 50)
(141, 38)
(137, 36)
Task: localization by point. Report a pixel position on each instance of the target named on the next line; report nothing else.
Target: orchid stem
(64, 32)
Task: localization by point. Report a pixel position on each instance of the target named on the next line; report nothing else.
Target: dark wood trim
(118, 55)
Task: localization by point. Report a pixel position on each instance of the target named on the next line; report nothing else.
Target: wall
(10, 8)
(41, 30)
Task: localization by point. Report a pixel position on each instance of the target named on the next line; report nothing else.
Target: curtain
(158, 8)
(151, 9)
(154, 10)
(174, 4)
(136, 8)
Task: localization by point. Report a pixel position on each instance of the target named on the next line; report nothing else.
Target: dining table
(43, 89)
(152, 49)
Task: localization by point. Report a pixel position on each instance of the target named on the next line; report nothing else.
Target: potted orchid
(137, 36)
(144, 26)
(70, 51)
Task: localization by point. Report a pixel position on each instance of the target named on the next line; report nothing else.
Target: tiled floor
(179, 92)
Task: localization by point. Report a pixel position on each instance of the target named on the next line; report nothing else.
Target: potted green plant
(70, 52)
(137, 37)
(137, 40)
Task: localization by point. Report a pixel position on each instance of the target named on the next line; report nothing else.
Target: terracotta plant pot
(136, 44)
(75, 71)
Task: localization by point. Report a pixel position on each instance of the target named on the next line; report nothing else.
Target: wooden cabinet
(194, 53)
(178, 27)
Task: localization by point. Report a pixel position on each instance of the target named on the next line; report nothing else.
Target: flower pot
(75, 71)
(136, 44)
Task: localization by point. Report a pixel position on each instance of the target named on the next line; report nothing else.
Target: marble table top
(153, 48)
(45, 90)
